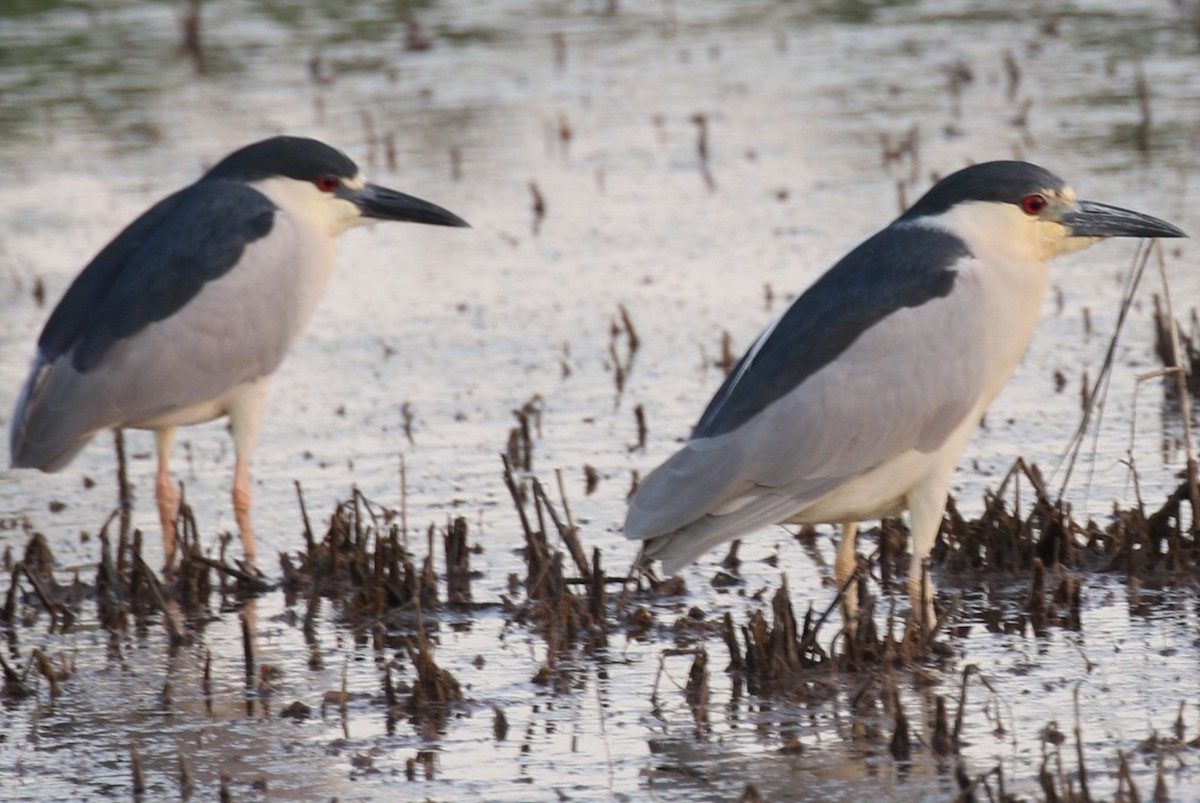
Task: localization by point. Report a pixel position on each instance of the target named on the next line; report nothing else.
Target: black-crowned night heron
(858, 402)
(186, 314)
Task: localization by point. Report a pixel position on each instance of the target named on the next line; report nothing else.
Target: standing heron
(186, 314)
(858, 402)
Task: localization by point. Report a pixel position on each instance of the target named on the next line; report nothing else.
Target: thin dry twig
(1099, 389)
(1185, 405)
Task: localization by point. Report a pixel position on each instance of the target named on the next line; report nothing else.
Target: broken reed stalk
(598, 597)
(669, 652)
(15, 686)
(174, 635)
(110, 603)
(355, 498)
(968, 670)
(434, 688)
(122, 547)
(810, 639)
(46, 669)
(458, 567)
(403, 501)
(1035, 605)
(10, 600)
(634, 341)
(1185, 405)
(511, 483)
(639, 417)
(1126, 789)
(53, 607)
(562, 495)
(1083, 780)
(206, 683)
(191, 41)
(1142, 89)
(139, 777)
(500, 723)
(565, 531)
(389, 688)
(186, 787)
(618, 373)
(900, 747)
(124, 489)
(538, 561)
(942, 743)
(428, 588)
(309, 541)
(187, 536)
(137, 580)
(247, 647)
(966, 792)
(344, 699)
(253, 582)
(539, 207)
(774, 653)
(729, 635)
(696, 692)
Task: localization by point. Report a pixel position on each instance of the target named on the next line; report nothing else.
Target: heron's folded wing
(859, 370)
(117, 348)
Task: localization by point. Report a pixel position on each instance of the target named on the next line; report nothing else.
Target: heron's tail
(37, 439)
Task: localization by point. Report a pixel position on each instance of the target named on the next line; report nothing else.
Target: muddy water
(102, 114)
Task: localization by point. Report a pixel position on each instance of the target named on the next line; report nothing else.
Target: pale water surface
(102, 113)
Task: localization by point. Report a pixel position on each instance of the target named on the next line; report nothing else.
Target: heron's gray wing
(900, 267)
(881, 355)
(154, 267)
(94, 359)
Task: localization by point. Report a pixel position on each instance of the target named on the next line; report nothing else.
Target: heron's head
(326, 182)
(1022, 211)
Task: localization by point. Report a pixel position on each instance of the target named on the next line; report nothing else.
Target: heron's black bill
(1093, 219)
(384, 204)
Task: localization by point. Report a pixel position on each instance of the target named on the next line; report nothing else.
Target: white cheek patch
(346, 212)
(1072, 244)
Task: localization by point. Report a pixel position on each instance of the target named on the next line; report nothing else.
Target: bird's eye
(1033, 204)
(328, 183)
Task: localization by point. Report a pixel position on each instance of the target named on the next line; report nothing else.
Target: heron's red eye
(331, 183)
(1033, 204)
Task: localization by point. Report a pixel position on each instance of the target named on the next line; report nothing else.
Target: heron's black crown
(1003, 182)
(292, 157)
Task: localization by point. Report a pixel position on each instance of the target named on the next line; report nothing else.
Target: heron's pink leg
(245, 418)
(241, 506)
(166, 494)
(926, 506)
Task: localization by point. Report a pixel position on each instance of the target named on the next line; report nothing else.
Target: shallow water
(103, 114)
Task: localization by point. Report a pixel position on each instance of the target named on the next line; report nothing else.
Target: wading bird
(186, 314)
(858, 402)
